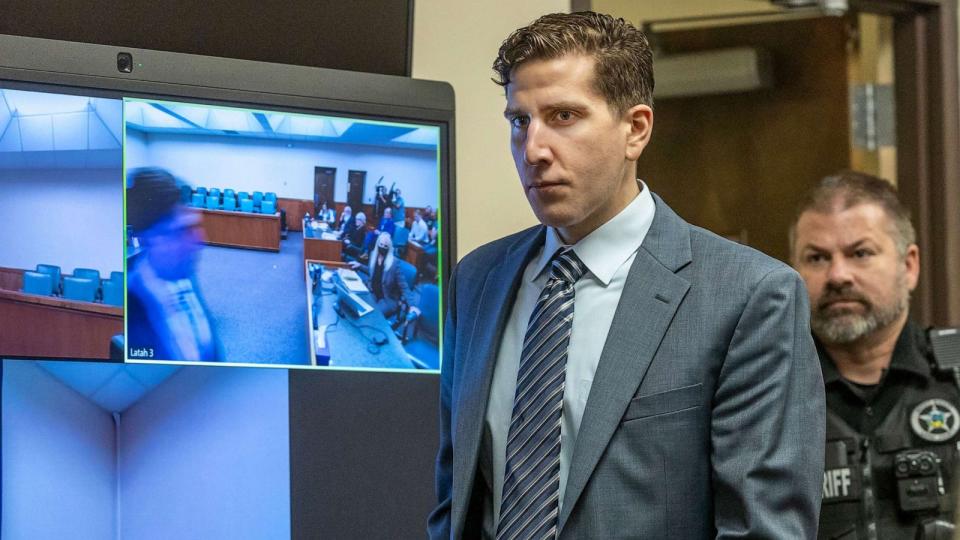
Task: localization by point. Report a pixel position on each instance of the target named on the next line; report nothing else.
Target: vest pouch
(841, 475)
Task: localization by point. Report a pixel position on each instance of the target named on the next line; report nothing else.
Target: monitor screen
(198, 211)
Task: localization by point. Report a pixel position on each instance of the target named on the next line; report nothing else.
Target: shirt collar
(604, 250)
(908, 356)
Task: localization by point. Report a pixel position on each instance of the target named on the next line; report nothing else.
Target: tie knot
(567, 266)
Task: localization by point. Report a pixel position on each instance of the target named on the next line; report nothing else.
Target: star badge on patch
(935, 420)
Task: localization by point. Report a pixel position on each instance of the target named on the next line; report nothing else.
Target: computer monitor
(214, 274)
(232, 154)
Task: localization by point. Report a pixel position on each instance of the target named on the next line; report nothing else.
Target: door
(356, 181)
(323, 180)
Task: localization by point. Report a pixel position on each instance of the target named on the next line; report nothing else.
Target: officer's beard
(841, 327)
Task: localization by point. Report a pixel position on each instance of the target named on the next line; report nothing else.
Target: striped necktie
(531, 488)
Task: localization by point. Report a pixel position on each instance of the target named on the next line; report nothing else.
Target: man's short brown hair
(624, 61)
(852, 188)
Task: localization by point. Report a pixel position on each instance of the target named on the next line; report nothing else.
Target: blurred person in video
(167, 318)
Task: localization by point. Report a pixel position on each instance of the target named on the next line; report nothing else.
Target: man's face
(575, 155)
(387, 213)
(857, 281)
(174, 243)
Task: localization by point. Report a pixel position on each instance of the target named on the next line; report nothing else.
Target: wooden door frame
(928, 144)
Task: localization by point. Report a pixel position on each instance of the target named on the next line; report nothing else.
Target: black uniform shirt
(864, 408)
(880, 416)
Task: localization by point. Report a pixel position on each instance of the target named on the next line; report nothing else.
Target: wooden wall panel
(240, 229)
(11, 279)
(46, 326)
(738, 164)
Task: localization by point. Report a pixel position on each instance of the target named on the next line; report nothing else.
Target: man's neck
(864, 360)
(627, 193)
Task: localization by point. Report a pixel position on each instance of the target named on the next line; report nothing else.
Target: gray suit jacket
(706, 414)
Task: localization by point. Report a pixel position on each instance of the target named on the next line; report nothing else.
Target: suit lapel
(493, 308)
(651, 295)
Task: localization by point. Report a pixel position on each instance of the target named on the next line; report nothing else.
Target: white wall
(59, 476)
(206, 455)
(135, 150)
(73, 218)
(268, 165)
(457, 42)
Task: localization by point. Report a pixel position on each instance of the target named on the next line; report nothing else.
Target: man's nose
(536, 151)
(839, 271)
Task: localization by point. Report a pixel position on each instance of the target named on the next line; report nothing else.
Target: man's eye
(519, 121)
(815, 258)
(564, 116)
(862, 253)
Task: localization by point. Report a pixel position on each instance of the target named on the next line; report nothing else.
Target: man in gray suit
(617, 372)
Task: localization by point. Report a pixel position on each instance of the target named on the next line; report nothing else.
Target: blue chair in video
(201, 190)
(88, 273)
(270, 196)
(400, 237)
(243, 195)
(257, 198)
(113, 292)
(54, 272)
(229, 193)
(213, 202)
(117, 276)
(229, 203)
(246, 205)
(37, 283)
(423, 348)
(268, 207)
(82, 289)
(91, 274)
(215, 192)
(186, 193)
(197, 201)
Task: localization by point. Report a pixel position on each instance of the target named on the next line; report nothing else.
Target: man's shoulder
(731, 265)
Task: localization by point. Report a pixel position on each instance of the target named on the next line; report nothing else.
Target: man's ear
(640, 122)
(911, 261)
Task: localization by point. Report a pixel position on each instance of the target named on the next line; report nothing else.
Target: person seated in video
(385, 279)
(346, 221)
(327, 215)
(386, 222)
(418, 229)
(355, 238)
(166, 316)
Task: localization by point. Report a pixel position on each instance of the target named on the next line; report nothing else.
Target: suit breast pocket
(661, 403)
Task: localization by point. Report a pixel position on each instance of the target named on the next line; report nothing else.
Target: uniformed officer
(892, 419)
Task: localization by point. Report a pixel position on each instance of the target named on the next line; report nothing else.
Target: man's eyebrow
(510, 112)
(565, 106)
(858, 243)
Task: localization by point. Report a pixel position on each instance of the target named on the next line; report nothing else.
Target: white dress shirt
(607, 253)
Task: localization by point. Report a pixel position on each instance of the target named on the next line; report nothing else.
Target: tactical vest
(863, 498)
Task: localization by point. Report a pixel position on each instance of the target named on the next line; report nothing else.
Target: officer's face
(857, 281)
